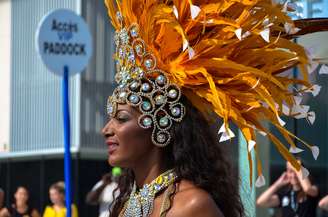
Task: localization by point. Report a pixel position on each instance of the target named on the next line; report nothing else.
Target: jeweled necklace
(141, 203)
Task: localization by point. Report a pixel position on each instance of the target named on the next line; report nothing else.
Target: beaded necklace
(141, 203)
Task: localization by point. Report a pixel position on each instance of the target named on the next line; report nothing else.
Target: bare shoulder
(193, 201)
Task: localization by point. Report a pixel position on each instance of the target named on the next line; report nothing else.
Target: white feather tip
(265, 34)
(195, 10)
(295, 150)
(238, 33)
(260, 181)
(175, 11)
(251, 145)
(315, 152)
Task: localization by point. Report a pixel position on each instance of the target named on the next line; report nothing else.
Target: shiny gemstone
(137, 73)
(122, 95)
(139, 49)
(164, 122)
(157, 187)
(159, 99)
(124, 36)
(145, 87)
(145, 191)
(161, 80)
(121, 52)
(149, 63)
(134, 86)
(176, 111)
(119, 16)
(173, 93)
(146, 106)
(131, 57)
(134, 31)
(110, 109)
(134, 99)
(161, 138)
(147, 121)
(117, 38)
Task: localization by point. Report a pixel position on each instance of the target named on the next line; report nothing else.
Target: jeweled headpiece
(143, 85)
(227, 57)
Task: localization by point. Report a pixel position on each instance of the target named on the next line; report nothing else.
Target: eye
(122, 118)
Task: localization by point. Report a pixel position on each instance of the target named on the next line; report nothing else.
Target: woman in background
(296, 196)
(57, 197)
(21, 207)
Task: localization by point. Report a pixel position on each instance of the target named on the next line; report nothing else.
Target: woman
(21, 207)
(180, 66)
(293, 194)
(57, 197)
(200, 165)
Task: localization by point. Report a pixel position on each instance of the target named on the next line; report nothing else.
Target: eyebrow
(122, 110)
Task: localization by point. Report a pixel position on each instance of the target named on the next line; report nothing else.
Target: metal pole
(67, 136)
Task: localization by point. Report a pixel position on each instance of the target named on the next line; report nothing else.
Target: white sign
(63, 39)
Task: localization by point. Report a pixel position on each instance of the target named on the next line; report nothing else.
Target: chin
(115, 161)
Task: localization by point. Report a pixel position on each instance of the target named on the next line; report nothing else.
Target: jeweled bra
(141, 202)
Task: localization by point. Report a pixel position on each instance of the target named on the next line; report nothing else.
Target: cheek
(53, 196)
(134, 143)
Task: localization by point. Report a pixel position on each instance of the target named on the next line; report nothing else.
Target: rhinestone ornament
(161, 138)
(161, 80)
(141, 204)
(134, 86)
(164, 122)
(144, 86)
(173, 93)
(147, 122)
(159, 99)
(149, 63)
(146, 106)
(176, 111)
(134, 99)
(134, 31)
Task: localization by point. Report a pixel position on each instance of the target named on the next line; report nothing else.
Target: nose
(107, 131)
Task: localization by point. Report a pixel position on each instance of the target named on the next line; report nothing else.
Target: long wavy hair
(195, 156)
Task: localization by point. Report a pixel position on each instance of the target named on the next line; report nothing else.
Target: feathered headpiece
(226, 57)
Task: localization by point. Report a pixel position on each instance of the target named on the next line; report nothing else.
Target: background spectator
(103, 192)
(293, 194)
(57, 197)
(21, 207)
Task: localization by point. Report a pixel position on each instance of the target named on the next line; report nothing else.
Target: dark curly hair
(195, 156)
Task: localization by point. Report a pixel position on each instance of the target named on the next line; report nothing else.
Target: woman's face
(291, 175)
(21, 196)
(127, 141)
(56, 197)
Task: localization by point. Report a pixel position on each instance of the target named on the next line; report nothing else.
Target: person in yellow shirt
(57, 197)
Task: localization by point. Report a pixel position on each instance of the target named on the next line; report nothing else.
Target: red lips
(112, 146)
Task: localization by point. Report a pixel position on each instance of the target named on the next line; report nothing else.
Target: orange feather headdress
(227, 57)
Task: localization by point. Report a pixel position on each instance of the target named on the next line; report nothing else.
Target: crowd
(293, 195)
(101, 194)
